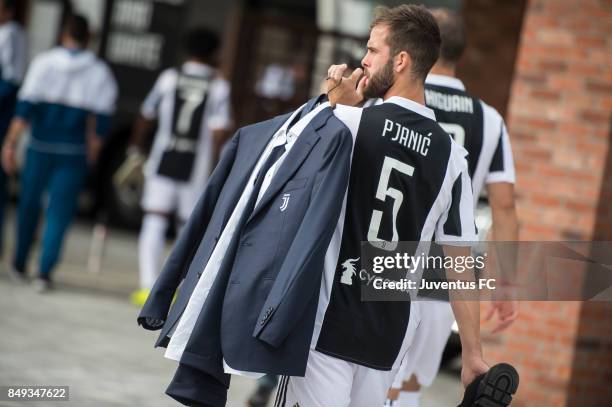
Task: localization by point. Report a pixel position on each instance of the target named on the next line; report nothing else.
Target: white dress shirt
(181, 335)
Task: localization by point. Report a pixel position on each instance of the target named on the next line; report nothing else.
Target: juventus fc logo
(285, 202)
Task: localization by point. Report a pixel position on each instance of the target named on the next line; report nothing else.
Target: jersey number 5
(382, 192)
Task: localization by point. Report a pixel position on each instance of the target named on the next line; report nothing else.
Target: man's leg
(422, 361)
(151, 243)
(67, 179)
(263, 392)
(33, 180)
(370, 386)
(3, 199)
(410, 394)
(328, 382)
(158, 202)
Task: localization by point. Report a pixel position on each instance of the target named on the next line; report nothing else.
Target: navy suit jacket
(259, 314)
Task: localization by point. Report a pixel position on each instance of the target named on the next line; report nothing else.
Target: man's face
(378, 64)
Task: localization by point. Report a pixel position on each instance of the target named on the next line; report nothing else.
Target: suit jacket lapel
(304, 143)
(247, 162)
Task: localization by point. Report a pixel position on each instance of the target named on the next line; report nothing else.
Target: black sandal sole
(497, 386)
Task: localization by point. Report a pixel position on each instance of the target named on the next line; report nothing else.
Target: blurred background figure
(262, 394)
(13, 55)
(192, 106)
(67, 99)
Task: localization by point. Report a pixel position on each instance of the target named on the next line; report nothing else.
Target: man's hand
(346, 91)
(472, 366)
(130, 172)
(9, 161)
(9, 148)
(507, 311)
(94, 146)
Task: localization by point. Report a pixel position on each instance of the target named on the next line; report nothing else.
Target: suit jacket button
(263, 321)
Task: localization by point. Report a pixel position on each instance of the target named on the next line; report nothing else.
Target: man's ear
(403, 62)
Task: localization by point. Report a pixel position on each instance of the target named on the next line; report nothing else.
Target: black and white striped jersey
(409, 181)
(476, 126)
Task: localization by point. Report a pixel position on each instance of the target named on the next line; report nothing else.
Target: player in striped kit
(481, 130)
(409, 182)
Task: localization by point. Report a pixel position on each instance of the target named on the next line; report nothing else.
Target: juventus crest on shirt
(408, 181)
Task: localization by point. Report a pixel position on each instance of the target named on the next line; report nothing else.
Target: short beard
(379, 83)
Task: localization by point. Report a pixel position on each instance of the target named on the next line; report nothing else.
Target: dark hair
(10, 4)
(77, 28)
(412, 29)
(452, 32)
(201, 43)
(16, 6)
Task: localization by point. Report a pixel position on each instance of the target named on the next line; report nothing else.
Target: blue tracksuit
(62, 92)
(12, 67)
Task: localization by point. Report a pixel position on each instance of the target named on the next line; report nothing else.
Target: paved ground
(84, 335)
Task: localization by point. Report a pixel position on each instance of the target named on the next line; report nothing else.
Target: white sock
(409, 399)
(151, 244)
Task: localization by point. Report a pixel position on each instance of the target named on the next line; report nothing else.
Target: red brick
(546, 95)
(590, 41)
(595, 116)
(596, 86)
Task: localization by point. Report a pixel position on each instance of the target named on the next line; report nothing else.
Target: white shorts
(164, 195)
(330, 381)
(424, 356)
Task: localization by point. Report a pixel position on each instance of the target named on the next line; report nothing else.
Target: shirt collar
(282, 136)
(197, 68)
(444, 80)
(412, 105)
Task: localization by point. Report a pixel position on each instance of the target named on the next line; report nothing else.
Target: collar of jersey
(196, 68)
(412, 105)
(443, 80)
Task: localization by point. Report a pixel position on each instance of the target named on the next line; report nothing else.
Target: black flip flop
(492, 389)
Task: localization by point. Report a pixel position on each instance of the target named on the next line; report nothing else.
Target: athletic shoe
(139, 297)
(261, 397)
(18, 277)
(42, 285)
(493, 388)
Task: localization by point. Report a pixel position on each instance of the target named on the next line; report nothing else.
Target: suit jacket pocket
(295, 184)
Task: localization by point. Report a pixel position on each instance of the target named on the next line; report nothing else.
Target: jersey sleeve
(350, 116)
(502, 164)
(457, 227)
(219, 110)
(149, 108)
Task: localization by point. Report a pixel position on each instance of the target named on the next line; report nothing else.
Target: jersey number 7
(456, 131)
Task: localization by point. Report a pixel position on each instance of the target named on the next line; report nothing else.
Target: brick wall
(560, 124)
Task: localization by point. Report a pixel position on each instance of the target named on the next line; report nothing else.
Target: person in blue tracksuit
(67, 99)
(13, 56)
